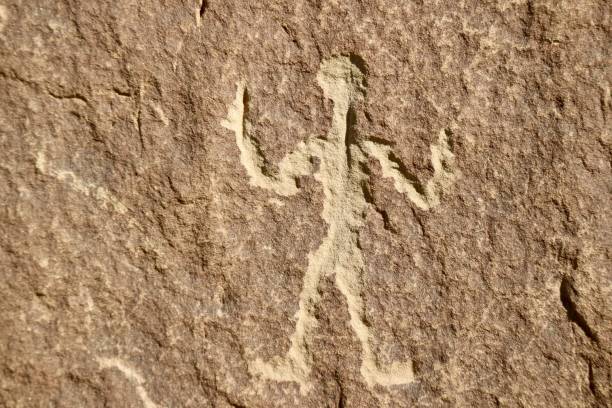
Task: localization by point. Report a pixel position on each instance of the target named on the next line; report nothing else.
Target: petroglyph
(442, 160)
(342, 176)
(132, 375)
(138, 236)
(3, 17)
(77, 184)
(292, 165)
(200, 11)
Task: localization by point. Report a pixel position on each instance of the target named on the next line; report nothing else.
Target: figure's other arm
(424, 197)
(293, 165)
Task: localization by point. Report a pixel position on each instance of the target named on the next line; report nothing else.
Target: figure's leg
(349, 282)
(295, 365)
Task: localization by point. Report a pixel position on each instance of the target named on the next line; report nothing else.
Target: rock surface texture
(306, 203)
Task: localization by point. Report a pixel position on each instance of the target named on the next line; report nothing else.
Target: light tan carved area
(132, 375)
(344, 209)
(293, 165)
(79, 185)
(3, 17)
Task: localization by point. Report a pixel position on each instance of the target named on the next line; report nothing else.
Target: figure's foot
(282, 370)
(394, 374)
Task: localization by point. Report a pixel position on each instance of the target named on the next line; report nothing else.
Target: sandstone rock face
(305, 203)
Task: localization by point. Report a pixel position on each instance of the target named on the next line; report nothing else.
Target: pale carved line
(132, 375)
(344, 209)
(292, 166)
(442, 159)
(79, 185)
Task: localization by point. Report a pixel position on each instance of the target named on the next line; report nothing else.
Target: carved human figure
(344, 209)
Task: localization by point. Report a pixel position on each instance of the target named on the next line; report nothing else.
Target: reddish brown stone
(305, 203)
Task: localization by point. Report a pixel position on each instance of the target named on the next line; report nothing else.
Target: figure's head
(341, 74)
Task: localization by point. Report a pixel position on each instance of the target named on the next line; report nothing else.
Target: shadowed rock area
(305, 203)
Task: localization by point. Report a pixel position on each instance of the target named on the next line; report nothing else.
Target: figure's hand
(292, 166)
(423, 196)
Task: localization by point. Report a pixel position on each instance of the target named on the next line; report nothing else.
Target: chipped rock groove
(130, 374)
(344, 208)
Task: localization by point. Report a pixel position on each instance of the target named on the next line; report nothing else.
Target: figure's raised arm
(424, 196)
(293, 165)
